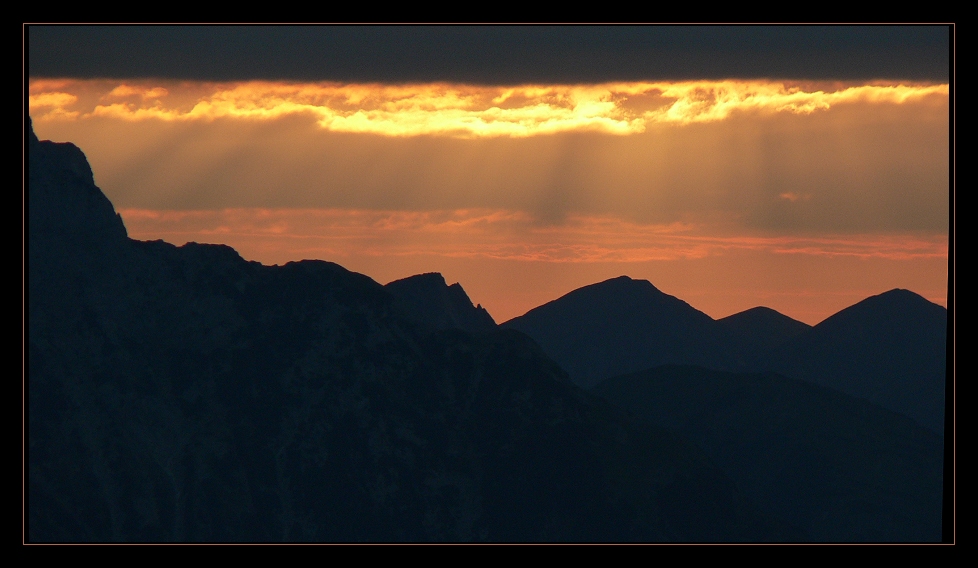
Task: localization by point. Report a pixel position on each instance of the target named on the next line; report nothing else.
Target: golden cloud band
(464, 111)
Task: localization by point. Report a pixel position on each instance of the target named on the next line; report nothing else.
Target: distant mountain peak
(760, 329)
(621, 325)
(898, 302)
(624, 281)
(614, 289)
(900, 294)
(757, 310)
(762, 315)
(889, 349)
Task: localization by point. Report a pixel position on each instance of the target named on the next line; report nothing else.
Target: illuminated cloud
(52, 105)
(144, 93)
(458, 110)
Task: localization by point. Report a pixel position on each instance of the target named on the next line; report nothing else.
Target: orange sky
(728, 194)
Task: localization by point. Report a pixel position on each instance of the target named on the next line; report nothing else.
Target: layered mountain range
(185, 394)
(889, 349)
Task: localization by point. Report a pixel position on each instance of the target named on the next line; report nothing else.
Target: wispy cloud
(495, 234)
(124, 91)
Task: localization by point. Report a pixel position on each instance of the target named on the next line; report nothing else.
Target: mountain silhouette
(836, 466)
(67, 209)
(620, 326)
(185, 394)
(890, 349)
(759, 330)
(439, 305)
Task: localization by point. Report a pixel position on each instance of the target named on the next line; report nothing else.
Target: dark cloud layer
(491, 55)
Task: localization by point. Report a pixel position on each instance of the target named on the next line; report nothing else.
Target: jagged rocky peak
(426, 280)
(431, 301)
(68, 158)
(31, 137)
(63, 201)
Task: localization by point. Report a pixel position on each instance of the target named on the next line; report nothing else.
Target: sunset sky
(800, 168)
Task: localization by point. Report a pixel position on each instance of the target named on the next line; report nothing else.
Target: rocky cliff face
(185, 394)
(437, 305)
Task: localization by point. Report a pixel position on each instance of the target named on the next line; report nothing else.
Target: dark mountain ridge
(761, 329)
(185, 394)
(890, 349)
(622, 325)
(439, 305)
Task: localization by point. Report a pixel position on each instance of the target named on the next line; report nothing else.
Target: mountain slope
(761, 329)
(836, 466)
(890, 349)
(623, 325)
(440, 306)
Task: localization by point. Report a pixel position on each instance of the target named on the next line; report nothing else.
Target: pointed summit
(439, 306)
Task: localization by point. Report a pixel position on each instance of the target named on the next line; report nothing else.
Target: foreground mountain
(184, 394)
(620, 326)
(839, 468)
(889, 349)
(440, 306)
